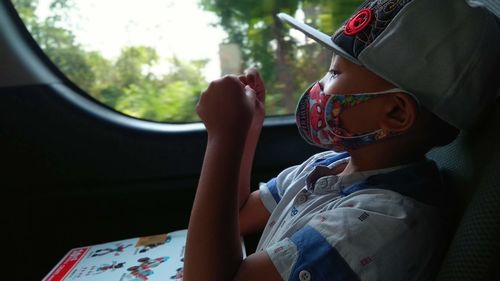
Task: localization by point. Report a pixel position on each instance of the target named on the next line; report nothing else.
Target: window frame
(33, 67)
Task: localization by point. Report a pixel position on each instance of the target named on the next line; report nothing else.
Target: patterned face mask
(318, 119)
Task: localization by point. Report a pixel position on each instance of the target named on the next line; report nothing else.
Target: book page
(150, 258)
(158, 257)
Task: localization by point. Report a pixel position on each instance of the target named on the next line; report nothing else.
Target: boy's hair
(445, 53)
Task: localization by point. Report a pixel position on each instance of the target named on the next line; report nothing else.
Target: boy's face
(344, 78)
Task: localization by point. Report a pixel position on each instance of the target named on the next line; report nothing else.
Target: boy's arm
(213, 249)
(254, 81)
(257, 266)
(253, 214)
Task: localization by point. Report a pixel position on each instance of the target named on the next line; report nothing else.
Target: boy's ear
(399, 113)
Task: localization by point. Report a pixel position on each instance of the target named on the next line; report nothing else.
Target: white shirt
(354, 227)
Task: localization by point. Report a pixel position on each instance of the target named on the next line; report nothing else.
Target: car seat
(471, 164)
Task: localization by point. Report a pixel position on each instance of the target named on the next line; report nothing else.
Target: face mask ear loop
(399, 90)
(389, 91)
(396, 90)
(357, 136)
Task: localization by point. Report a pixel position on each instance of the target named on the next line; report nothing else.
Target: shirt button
(301, 198)
(322, 183)
(304, 275)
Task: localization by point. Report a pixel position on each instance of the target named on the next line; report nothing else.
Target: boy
(406, 74)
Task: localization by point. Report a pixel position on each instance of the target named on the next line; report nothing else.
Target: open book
(151, 258)
(158, 257)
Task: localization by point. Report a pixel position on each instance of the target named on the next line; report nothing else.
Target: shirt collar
(417, 180)
(328, 173)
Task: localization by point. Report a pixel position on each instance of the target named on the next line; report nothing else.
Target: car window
(151, 59)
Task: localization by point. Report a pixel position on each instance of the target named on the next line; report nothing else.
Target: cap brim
(317, 36)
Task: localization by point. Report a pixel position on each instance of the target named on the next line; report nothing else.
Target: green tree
(127, 84)
(26, 9)
(57, 42)
(254, 26)
(171, 98)
(264, 41)
(103, 88)
(134, 64)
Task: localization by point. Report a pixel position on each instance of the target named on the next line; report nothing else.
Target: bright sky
(177, 27)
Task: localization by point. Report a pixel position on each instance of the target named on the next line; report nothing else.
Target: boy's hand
(253, 79)
(232, 105)
(227, 107)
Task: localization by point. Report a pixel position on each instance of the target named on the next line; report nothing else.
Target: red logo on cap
(358, 22)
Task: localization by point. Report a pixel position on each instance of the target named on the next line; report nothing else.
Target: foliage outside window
(129, 83)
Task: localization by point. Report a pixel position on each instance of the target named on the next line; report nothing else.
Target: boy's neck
(365, 159)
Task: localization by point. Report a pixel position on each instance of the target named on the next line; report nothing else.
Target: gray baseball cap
(444, 52)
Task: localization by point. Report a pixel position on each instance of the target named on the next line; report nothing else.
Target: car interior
(75, 172)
